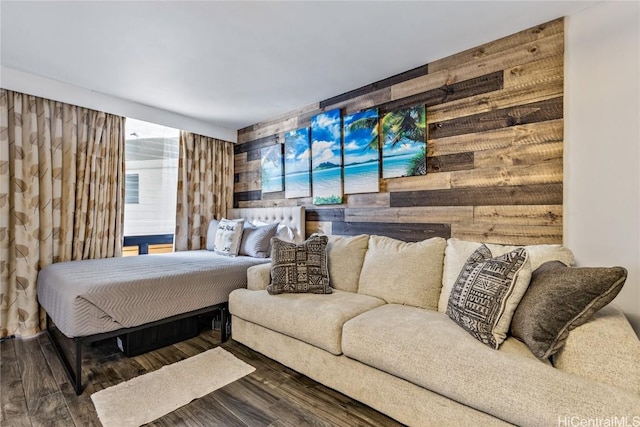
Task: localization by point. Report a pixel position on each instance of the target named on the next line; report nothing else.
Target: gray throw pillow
(487, 292)
(256, 240)
(299, 268)
(559, 299)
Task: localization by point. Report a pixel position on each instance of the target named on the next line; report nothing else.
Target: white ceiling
(233, 64)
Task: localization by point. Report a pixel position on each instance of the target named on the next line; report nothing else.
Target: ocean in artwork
(401, 165)
(327, 186)
(326, 158)
(362, 178)
(271, 183)
(361, 152)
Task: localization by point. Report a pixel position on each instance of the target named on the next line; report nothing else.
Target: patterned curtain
(205, 187)
(61, 196)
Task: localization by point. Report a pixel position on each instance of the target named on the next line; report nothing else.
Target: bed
(92, 300)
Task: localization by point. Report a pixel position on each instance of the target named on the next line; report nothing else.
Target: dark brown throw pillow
(559, 299)
(299, 268)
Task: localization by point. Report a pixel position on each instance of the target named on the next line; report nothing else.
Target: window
(132, 188)
(151, 162)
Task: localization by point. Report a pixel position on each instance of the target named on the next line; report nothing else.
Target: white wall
(32, 84)
(602, 142)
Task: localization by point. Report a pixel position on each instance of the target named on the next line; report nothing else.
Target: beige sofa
(382, 337)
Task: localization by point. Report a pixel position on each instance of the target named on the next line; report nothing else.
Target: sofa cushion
(605, 349)
(458, 251)
(299, 267)
(559, 299)
(345, 256)
(403, 273)
(312, 318)
(487, 292)
(428, 349)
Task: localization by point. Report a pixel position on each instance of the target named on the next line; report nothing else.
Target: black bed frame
(74, 368)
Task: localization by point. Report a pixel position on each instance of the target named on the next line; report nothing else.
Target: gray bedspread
(93, 296)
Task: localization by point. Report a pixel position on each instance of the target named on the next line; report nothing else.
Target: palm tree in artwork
(395, 127)
(409, 123)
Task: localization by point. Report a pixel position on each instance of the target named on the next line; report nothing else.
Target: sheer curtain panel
(61, 196)
(205, 187)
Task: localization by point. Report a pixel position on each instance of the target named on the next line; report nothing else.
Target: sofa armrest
(259, 277)
(605, 349)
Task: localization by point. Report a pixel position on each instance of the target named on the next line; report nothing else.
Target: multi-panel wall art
(361, 152)
(404, 142)
(297, 163)
(326, 158)
(317, 162)
(272, 170)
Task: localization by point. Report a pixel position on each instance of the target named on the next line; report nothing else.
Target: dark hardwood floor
(35, 390)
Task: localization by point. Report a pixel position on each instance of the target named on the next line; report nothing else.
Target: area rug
(150, 396)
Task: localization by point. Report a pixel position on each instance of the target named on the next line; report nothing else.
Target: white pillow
(228, 236)
(211, 234)
(285, 233)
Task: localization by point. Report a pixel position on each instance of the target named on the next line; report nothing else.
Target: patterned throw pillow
(256, 240)
(487, 292)
(228, 236)
(298, 268)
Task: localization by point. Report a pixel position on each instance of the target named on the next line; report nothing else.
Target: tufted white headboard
(290, 216)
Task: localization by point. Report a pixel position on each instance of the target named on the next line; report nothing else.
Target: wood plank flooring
(35, 391)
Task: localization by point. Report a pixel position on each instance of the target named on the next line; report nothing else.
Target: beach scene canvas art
(272, 170)
(404, 142)
(297, 163)
(326, 158)
(361, 152)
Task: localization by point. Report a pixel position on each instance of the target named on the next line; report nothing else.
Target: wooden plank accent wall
(494, 149)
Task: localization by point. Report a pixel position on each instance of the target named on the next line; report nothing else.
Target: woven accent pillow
(256, 240)
(559, 299)
(487, 292)
(228, 236)
(299, 268)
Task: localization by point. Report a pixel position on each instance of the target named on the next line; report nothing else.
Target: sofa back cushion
(345, 257)
(403, 273)
(458, 251)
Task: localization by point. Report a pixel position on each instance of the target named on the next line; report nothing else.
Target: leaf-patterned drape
(61, 196)
(205, 187)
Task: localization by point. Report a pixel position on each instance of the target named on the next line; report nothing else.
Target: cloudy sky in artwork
(326, 138)
(272, 160)
(297, 151)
